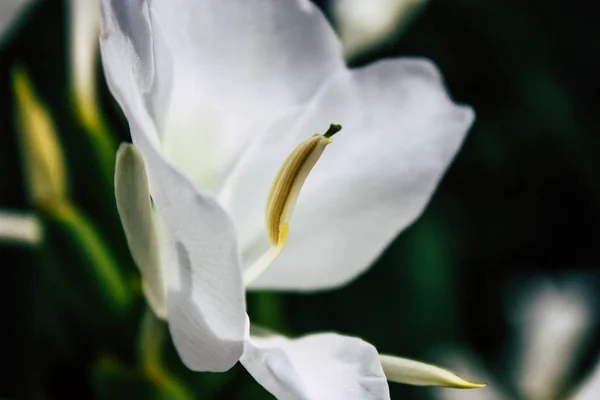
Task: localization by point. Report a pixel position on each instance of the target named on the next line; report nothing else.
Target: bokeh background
(519, 210)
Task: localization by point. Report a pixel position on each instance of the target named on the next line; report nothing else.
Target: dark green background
(521, 200)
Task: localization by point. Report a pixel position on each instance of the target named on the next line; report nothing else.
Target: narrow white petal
(85, 29)
(404, 370)
(205, 293)
(135, 209)
(10, 11)
(466, 363)
(315, 367)
(400, 131)
(20, 228)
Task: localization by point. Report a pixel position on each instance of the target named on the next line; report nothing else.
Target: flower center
(284, 194)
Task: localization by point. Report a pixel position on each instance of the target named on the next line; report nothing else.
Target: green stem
(107, 273)
(151, 340)
(268, 311)
(100, 136)
(106, 149)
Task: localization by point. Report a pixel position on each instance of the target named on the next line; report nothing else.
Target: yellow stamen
(284, 194)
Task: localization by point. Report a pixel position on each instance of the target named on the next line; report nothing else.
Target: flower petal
(467, 363)
(400, 132)
(366, 25)
(206, 305)
(314, 367)
(555, 321)
(238, 64)
(135, 209)
(143, 50)
(404, 370)
(83, 35)
(24, 228)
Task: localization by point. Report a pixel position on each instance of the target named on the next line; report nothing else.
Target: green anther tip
(333, 129)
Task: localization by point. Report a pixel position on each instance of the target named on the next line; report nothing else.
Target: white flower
(553, 322)
(217, 94)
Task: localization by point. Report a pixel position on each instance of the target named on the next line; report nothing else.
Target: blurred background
(499, 278)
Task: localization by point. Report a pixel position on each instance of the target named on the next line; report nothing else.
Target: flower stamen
(284, 194)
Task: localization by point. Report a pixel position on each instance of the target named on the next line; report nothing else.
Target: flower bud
(404, 370)
(366, 25)
(41, 150)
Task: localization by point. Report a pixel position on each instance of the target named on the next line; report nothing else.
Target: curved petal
(238, 64)
(144, 51)
(206, 305)
(135, 210)
(314, 367)
(400, 132)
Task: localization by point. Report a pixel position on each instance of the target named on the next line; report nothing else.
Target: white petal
(367, 24)
(135, 209)
(10, 11)
(131, 26)
(404, 370)
(206, 305)
(556, 321)
(237, 65)
(20, 228)
(85, 28)
(467, 364)
(315, 367)
(400, 132)
(590, 389)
